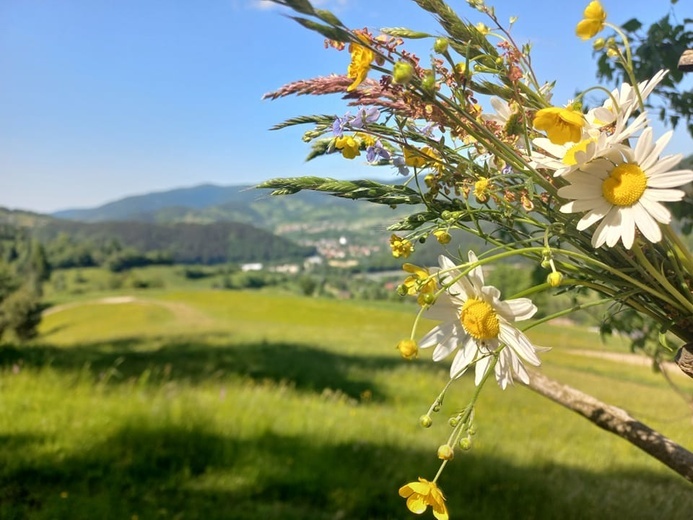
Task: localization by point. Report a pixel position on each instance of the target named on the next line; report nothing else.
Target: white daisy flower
(606, 126)
(626, 99)
(476, 322)
(568, 157)
(624, 189)
(503, 112)
(506, 116)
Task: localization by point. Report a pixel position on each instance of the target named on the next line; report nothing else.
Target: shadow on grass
(306, 367)
(191, 472)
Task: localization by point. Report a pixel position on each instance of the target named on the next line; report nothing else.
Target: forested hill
(240, 203)
(188, 243)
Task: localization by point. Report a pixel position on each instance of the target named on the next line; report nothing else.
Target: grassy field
(196, 403)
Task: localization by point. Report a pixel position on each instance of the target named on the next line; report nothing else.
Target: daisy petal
(655, 209)
(647, 224)
(670, 179)
(482, 367)
(517, 310)
(517, 341)
(464, 357)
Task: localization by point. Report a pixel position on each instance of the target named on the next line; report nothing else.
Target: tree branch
(617, 421)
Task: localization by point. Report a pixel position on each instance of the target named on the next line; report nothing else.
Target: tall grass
(212, 405)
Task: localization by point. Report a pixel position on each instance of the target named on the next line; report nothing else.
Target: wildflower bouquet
(482, 147)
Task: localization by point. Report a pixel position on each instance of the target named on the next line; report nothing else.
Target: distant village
(335, 252)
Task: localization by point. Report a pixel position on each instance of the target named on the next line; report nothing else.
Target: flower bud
(425, 421)
(427, 299)
(460, 68)
(445, 452)
(402, 73)
(428, 83)
(554, 279)
(466, 444)
(402, 290)
(454, 421)
(598, 44)
(408, 348)
(442, 236)
(482, 28)
(441, 45)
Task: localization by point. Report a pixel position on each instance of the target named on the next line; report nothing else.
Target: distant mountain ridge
(195, 197)
(210, 203)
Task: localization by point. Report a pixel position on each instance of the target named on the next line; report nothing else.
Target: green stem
(652, 271)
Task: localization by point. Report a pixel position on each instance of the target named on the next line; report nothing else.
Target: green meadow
(194, 403)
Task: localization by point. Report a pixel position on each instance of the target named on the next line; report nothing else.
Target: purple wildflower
(376, 152)
(401, 166)
(365, 116)
(340, 123)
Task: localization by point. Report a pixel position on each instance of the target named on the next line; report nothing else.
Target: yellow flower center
(569, 157)
(479, 319)
(625, 185)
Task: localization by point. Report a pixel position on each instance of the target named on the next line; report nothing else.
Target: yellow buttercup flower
(367, 139)
(413, 157)
(401, 246)
(348, 146)
(361, 59)
(595, 16)
(481, 189)
(560, 124)
(422, 494)
(420, 282)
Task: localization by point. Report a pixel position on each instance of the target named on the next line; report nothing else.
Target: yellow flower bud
(426, 298)
(598, 44)
(442, 236)
(482, 28)
(408, 348)
(402, 73)
(445, 452)
(428, 83)
(441, 45)
(554, 279)
(425, 421)
(466, 444)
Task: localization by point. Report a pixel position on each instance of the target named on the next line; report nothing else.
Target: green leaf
(632, 25)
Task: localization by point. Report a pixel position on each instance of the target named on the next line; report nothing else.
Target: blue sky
(105, 99)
